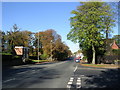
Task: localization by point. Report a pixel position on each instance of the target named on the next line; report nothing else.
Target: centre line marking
(75, 68)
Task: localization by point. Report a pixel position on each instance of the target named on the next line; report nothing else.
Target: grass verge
(36, 61)
(101, 65)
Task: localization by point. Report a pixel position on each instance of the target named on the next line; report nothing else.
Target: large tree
(51, 45)
(117, 39)
(12, 37)
(15, 37)
(87, 25)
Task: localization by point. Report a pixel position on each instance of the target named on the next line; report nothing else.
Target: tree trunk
(107, 33)
(106, 46)
(93, 59)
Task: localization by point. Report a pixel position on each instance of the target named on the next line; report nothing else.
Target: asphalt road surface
(64, 74)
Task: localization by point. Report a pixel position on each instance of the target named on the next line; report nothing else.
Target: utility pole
(38, 47)
(51, 50)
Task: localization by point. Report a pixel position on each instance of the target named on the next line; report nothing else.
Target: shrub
(44, 56)
(84, 58)
(15, 57)
(116, 52)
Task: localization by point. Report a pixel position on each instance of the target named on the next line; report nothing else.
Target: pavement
(65, 74)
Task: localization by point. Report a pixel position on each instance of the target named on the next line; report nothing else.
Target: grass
(40, 61)
(5, 53)
(101, 65)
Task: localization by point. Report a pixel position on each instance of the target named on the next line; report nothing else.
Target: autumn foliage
(50, 44)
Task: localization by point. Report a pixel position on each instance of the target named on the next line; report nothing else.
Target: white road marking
(78, 84)
(78, 80)
(71, 78)
(68, 86)
(70, 82)
(8, 80)
(75, 68)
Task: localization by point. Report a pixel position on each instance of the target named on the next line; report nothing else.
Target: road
(64, 74)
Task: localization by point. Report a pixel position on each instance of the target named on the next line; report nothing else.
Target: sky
(40, 16)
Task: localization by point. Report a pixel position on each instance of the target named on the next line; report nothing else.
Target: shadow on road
(107, 79)
(13, 71)
(27, 76)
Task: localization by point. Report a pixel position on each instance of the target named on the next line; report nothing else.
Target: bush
(116, 52)
(15, 57)
(44, 56)
(108, 59)
(33, 57)
(84, 58)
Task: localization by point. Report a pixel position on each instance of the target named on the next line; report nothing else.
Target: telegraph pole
(38, 47)
(51, 50)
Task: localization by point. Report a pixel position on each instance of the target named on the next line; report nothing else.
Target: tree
(44, 41)
(12, 37)
(2, 40)
(51, 45)
(117, 39)
(109, 21)
(61, 51)
(25, 38)
(15, 37)
(87, 25)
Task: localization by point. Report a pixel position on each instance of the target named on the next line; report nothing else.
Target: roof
(115, 46)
